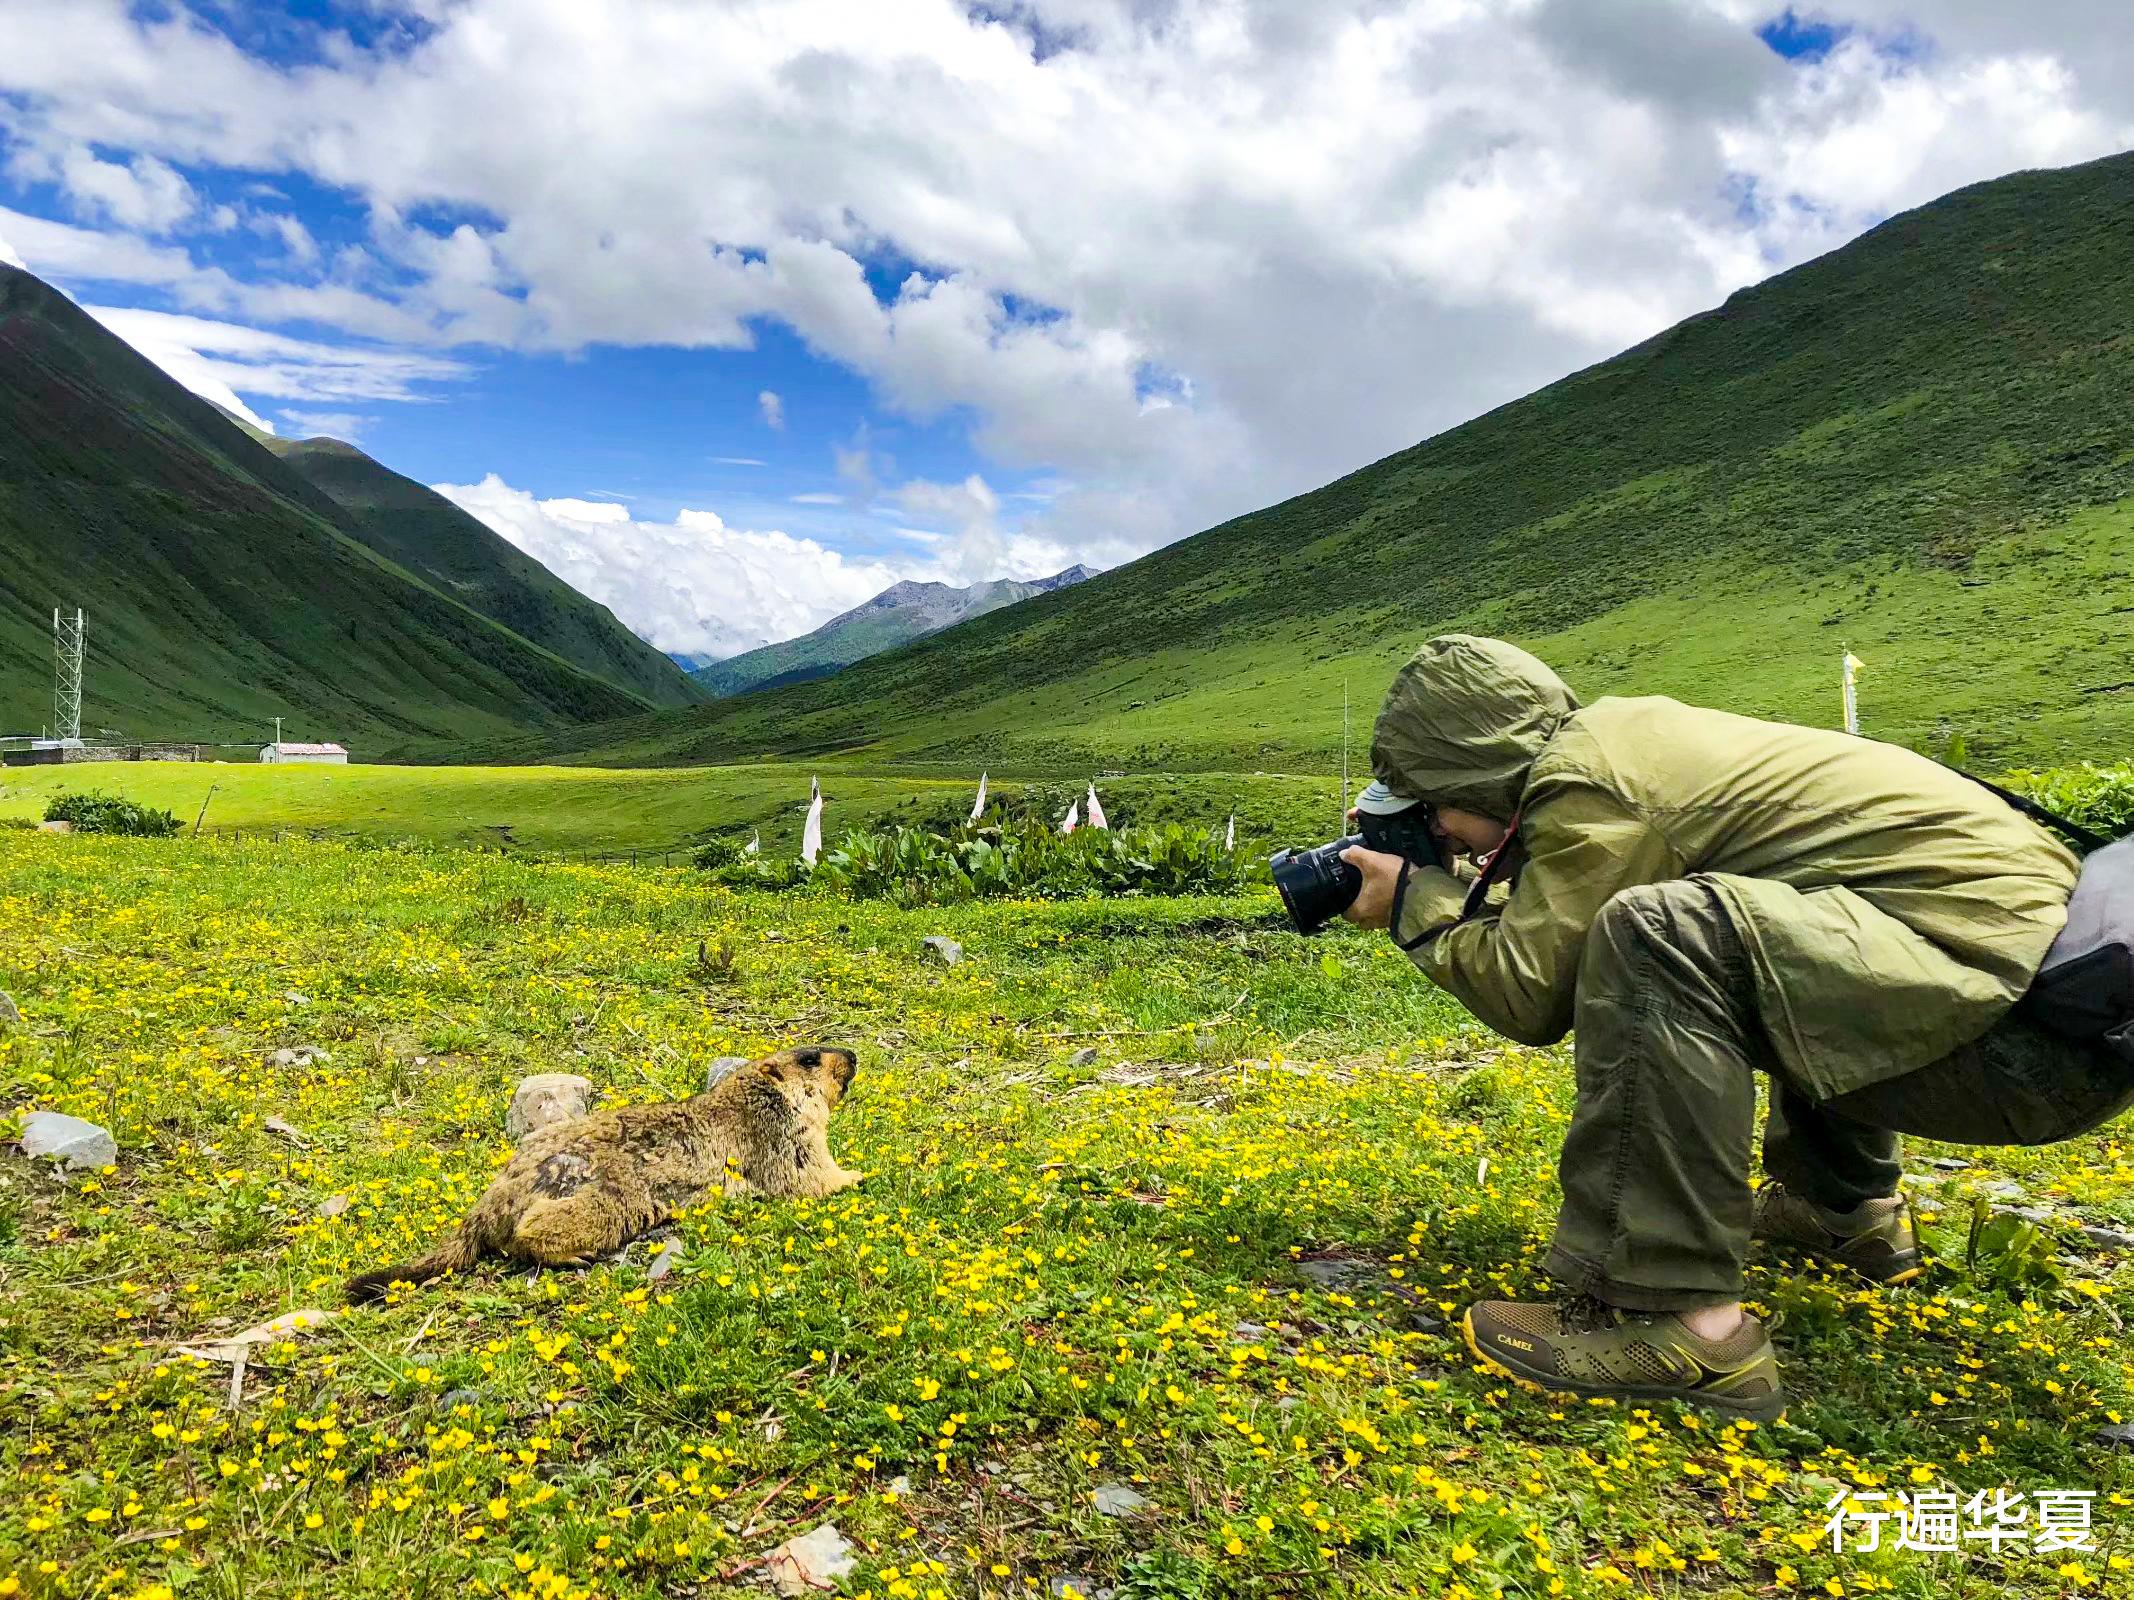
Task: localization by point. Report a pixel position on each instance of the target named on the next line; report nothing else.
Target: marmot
(579, 1189)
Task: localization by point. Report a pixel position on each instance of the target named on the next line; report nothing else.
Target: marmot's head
(820, 1070)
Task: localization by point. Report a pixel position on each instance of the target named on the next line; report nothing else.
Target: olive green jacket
(1892, 910)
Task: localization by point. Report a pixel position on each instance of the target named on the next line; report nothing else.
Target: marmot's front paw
(844, 1180)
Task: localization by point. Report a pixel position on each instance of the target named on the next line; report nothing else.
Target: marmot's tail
(457, 1252)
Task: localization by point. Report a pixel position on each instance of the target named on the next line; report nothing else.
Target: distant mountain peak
(909, 609)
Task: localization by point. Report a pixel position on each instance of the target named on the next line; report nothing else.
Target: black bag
(2085, 989)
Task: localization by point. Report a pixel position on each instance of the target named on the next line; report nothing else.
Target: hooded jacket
(1892, 909)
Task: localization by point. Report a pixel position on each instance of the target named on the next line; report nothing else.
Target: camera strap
(1494, 866)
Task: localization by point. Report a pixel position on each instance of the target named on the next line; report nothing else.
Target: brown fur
(580, 1189)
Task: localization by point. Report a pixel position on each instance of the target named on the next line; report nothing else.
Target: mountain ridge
(908, 609)
(222, 587)
(421, 530)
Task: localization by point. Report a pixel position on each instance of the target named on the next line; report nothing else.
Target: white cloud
(691, 586)
(773, 410)
(1194, 256)
(220, 359)
(347, 426)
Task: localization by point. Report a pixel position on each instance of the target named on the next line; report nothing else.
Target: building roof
(290, 749)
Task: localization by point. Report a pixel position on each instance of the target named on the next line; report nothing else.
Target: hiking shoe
(1876, 1240)
(1585, 1347)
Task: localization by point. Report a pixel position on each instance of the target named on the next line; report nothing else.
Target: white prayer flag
(980, 805)
(1096, 812)
(755, 843)
(1067, 822)
(1853, 664)
(1230, 833)
(811, 835)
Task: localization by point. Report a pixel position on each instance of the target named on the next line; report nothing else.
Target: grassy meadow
(1173, 1318)
(576, 810)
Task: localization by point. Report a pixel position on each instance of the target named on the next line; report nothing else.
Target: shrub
(110, 813)
(1033, 861)
(718, 852)
(2100, 798)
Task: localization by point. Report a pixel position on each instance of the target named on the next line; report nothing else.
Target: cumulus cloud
(1192, 256)
(693, 586)
(773, 410)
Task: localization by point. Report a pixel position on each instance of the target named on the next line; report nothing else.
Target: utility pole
(67, 674)
(277, 735)
(1343, 819)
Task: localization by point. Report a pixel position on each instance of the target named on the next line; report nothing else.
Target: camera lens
(1316, 885)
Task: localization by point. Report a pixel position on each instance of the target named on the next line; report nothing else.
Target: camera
(1316, 885)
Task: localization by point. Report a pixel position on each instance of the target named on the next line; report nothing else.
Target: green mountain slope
(1920, 447)
(899, 614)
(222, 588)
(424, 532)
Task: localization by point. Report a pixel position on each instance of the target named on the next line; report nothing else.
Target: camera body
(1316, 885)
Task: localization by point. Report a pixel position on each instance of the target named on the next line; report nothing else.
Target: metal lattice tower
(67, 674)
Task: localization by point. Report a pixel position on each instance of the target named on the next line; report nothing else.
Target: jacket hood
(1463, 722)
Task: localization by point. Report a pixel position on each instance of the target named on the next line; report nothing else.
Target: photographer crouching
(1705, 897)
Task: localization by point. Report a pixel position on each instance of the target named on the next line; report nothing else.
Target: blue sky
(1032, 284)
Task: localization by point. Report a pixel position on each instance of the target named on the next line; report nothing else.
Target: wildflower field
(1150, 1288)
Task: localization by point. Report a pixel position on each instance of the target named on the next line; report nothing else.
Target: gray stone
(1341, 1275)
(722, 1068)
(664, 1262)
(812, 1561)
(302, 1055)
(2109, 1238)
(1947, 1164)
(77, 1145)
(2115, 1433)
(1080, 1588)
(941, 949)
(1084, 1057)
(547, 1098)
(333, 1205)
(1117, 1500)
(10, 1015)
(452, 1399)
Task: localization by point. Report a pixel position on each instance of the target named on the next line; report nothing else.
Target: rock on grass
(10, 1014)
(75, 1144)
(547, 1098)
(722, 1068)
(941, 950)
(812, 1562)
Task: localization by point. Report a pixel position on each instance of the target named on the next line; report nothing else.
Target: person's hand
(1373, 905)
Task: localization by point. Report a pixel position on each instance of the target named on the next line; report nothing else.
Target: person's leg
(1655, 1165)
(2017, 1084)
(1655, 1174)
(1831, 1160)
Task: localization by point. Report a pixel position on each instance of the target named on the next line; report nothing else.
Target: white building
(310, 755)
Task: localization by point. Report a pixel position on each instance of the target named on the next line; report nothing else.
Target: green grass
(1215, 1265)
(1917, 447)
(584, 809)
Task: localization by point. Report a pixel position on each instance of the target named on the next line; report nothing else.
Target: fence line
(677, 855)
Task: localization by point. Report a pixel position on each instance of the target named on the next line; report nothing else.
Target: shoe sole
(1911, 1273)
(1769, 1409)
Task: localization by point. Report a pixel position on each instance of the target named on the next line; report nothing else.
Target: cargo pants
(1655, 1166)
